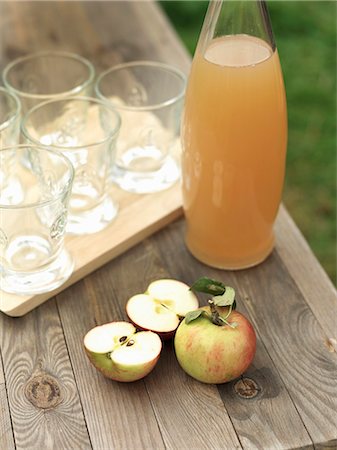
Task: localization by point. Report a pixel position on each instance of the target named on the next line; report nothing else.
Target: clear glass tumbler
(149, 98)
(48, 75)
(85, 130)
(32, 225)
(10, 114)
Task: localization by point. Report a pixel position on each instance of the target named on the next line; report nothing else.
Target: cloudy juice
(234, 139)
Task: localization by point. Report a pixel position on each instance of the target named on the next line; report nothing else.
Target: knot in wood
(246, 388)
(43, 391)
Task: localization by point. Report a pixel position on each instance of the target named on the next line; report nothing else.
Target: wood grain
(308, 274)
(295, 341)
(6, 432)
(190, 414)
(2, 376)
(45, 26)
(130, 38)
(118, 415)
(34, 347)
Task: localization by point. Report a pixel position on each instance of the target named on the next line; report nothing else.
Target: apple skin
(117, 372)
(165, 290)
(164, 335)
(121, 353)
(215, 354)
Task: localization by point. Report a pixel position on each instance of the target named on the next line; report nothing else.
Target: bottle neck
(240, 17)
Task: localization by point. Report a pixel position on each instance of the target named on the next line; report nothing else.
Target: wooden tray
(139, 216)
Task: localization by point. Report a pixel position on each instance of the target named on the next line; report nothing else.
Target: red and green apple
(215, 344)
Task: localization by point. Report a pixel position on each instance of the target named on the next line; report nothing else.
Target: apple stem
(215, 317)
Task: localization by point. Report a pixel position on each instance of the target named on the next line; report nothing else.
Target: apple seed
(123, 339)
(131, 342)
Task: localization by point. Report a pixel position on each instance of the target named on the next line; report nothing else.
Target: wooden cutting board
(139, 216)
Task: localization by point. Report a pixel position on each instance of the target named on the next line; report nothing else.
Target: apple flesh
(120, 353)
(215, 353)
(161, 307)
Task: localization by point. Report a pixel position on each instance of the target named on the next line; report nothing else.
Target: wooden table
(52, 398)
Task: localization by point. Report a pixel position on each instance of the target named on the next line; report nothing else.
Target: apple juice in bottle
(234, 137)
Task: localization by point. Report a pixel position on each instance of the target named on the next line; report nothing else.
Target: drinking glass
(10, 110)
(85, 130)
(32, 254)
(234, 137)
(48, 75)
(148, 96)
(10, 114)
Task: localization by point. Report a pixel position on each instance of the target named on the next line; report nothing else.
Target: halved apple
(161, 307)
(120, 353)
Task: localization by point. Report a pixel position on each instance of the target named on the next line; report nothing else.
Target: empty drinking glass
(85, 130)
(32, 224)
(10, 110)
(9, 135)
(149, 98)
(48, 75)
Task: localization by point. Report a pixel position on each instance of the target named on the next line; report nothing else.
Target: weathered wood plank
(166, 45)
(42, 394)
(118, 415)
(270, 417)
(102, 31)
(123, 30)
(331, 445)
(2, 376)
(308, 274)
(34, 30)
(296, 343)
(257, 419)
(6, 432)
(189, 414)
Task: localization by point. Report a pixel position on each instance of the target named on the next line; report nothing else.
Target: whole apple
(215, 353)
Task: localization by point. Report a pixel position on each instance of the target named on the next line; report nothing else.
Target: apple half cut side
(120, 353)
(161, 307)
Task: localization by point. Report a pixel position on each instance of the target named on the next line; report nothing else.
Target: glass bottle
(234, 137)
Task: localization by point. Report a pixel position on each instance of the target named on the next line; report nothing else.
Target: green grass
(305, 33)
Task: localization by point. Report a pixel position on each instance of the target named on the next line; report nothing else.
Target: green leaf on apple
(192, 315)
(208, 286)
(222, 295)
(226, 299)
